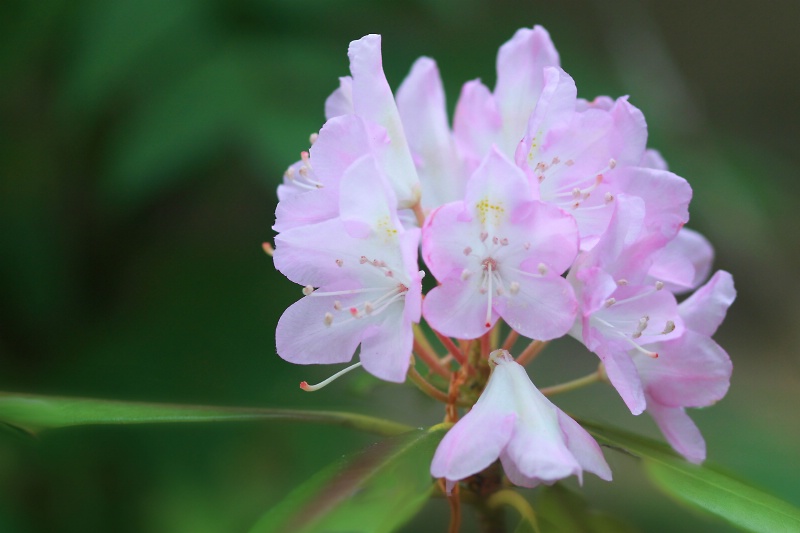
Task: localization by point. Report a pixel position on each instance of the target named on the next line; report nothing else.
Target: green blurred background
(140, 145)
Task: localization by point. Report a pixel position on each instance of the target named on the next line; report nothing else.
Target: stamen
(504, 242)
(542, 268)
(513, 288)
(268, 249)
(659, 285)
(339, 262)
(337, 305)
(465, 274)
(328, 319)
(311, 388)
(641, 326)
(622, 282)
(313, 138)
(610, 302)
(484, 236)
(608, 198)
(467, 250)
(307, 290)
(489, 303)
(612, 164)
(368, 308)
(289, 173)
(669, 328)
(569, 162)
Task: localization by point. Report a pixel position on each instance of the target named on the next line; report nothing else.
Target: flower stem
(451, 347)
(424, 351)
(510, 340)
(530, 353)
(572, 385)
(417, 209)
(514, 499)
(423, 385)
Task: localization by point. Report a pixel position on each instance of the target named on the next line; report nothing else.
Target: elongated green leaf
(374, 491)
(561, 510)
(704, 487)
(33, 414)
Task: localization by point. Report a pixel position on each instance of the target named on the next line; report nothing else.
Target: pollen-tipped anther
(669, 328)
(307, 290)
(659, 285)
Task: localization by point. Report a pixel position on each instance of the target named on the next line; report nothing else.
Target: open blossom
(365, 266)
(535, 441)
(692, 370)
(529, 183)
(499, 253)
(619, 309)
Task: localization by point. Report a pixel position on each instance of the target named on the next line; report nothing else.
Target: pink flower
(499, 253)
(620, 309)
(484, 118)
(692, 370)
(535, 441)
(365, 265)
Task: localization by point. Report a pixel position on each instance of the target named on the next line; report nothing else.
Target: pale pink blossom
(499, 253)
(620, 309)
(484, 118)
(535, 441)
(364, 264)
(692, 370)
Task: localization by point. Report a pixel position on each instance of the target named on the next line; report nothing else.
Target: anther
(556, 161)
(328, 319)
(307, 290)
(659, 286)
(569, 162)
(669, 328)
(484, 236)
(610, 302)
(608, 197)
(303, 171)
(368, 308)
(542, 268)
(612, 163)
(363, 259)
(513, 288)
(339, 262)
(313, 138)
(527, 246)
(622, 282)
(576, 192)
(465, 274)
(504, 242)
(289, 173)
(467, 250)
(337, 305)
(495, 240)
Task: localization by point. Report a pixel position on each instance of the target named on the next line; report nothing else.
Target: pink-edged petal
(457, 309)
(666, 198)
(520, 64)
(622, 374)
(445, 237)
(309, 207)
(473, 443)
(477, 122)
(496, 190)
(550, 237)
(684, 262)
(367, 203)
(421, 103)
(302, 336)
(386, 352)
(544, 307)
(653, 159)
(373, 101)
(554, 109)
(585, 449)
(341, 141)
(679, 430)
(705, 310)
(340, 102)
(691, 371)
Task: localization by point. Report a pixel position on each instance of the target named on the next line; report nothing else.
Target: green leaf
(561, 510)
(704, 487)
(33, 414)
(375, 491)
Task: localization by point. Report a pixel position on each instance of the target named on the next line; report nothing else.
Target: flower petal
(679, 430)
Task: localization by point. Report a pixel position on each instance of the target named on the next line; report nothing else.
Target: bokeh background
(140, 145)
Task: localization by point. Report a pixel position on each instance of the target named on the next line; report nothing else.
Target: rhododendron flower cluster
(538, 215)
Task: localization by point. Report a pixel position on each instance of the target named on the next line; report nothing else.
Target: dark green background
(140, 146)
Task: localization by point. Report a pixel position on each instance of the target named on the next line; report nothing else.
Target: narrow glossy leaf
(33, 413)
(704, 486)
(375, 491)
(561, 510)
